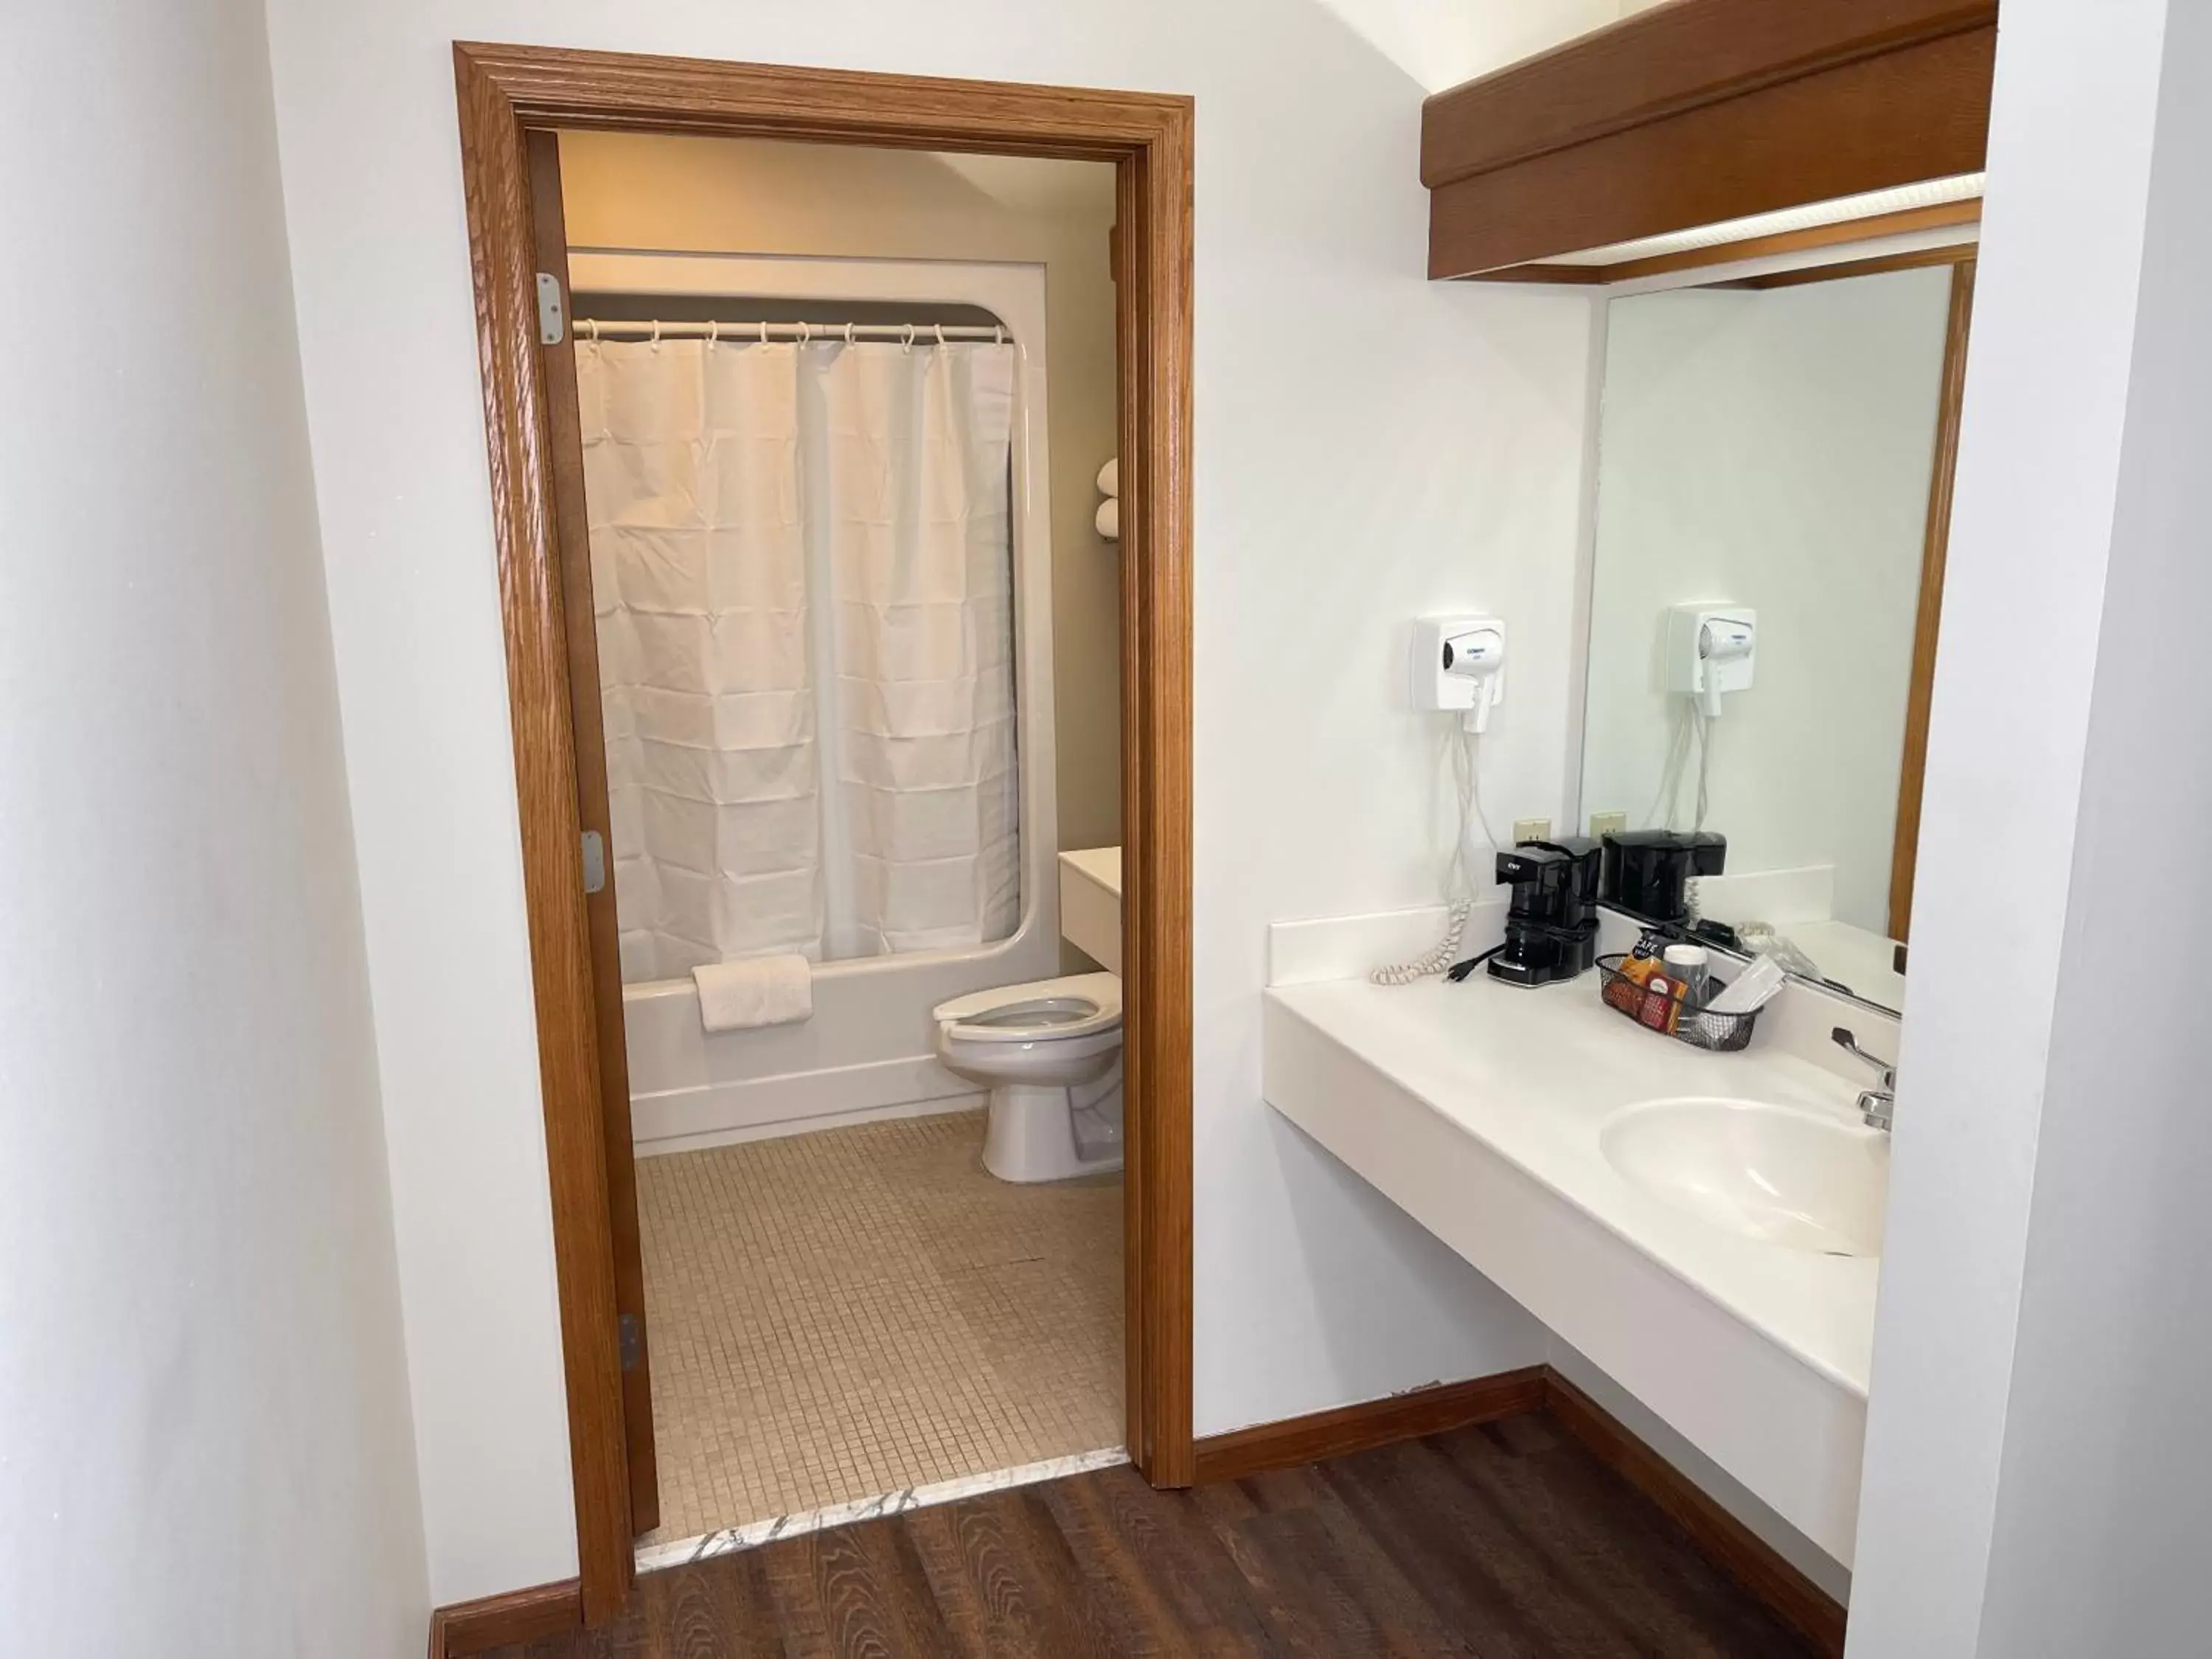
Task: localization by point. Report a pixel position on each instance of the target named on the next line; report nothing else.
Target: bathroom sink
(1771, 1173)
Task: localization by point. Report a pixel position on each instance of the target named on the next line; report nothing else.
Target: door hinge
(629, 1340)
(595, 862)
(549, 330)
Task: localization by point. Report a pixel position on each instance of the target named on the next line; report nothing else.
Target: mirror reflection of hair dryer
(1722, 640)
(1711, 648)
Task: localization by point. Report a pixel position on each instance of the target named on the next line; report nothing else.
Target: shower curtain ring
(940, 334)
(714, 333)
(848, 333)
(656, 334)
(764, 328)
(907, 343)
(998, 334)
(592, 323)
(806, 334)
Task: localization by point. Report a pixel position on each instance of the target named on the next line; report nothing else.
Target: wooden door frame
(1905, 850)
(506, 92)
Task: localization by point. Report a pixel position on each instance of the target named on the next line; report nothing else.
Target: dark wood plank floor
(1508, 1541)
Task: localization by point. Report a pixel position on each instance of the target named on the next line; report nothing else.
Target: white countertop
(1103, 865)
(1533, 1074)
(1476, 1108)
(1091, 903)
(1852, 956)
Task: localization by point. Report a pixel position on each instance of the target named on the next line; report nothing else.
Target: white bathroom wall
(2037, 1461)
(1369, 446)
(205, 1442)
(1771, 448)
(2105, 1491)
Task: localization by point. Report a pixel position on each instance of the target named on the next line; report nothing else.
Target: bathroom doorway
(853, 1272)
(858, 680)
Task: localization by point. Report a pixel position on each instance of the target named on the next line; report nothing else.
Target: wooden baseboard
(1372, 1423)
(494, 1621)
(1794, 1598)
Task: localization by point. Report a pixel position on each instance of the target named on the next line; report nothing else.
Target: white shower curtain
(801, 560)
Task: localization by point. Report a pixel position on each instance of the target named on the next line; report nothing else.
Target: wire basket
(1666, 1017)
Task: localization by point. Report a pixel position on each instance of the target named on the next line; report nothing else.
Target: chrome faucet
(1877, 1105)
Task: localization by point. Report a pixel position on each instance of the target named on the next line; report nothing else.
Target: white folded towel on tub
(736, 996)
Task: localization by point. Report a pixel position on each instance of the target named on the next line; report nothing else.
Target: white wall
(2041, 1343)
(2105, 1491)
(1771, 448)
(204, 1445)
(1369, 446)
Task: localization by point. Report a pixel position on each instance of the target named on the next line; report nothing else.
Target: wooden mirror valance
(1697, 113)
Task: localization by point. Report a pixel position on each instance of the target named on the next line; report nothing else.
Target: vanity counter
(1478, 1108)
(1091, 903)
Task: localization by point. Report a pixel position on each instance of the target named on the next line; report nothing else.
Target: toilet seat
(1043, 1011)
(1050, 1052)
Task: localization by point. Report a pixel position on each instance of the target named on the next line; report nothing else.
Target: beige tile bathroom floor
(851, 1312)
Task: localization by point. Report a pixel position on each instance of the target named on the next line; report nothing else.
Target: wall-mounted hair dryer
(1711, 649)
(1457, 665)
(1459, 662)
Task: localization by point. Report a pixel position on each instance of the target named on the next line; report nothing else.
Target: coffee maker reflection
(1648, 872)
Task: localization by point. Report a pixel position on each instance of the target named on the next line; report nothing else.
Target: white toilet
(1051, 1053)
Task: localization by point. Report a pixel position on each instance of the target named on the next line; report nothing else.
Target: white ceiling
(1030, 184)
(1440, 44)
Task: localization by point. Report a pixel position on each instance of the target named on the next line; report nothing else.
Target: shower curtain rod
(594, 328)
(759, 333)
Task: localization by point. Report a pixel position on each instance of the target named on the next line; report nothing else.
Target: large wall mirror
(1773, 494)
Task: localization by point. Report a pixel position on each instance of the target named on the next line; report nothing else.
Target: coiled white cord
(1447, 951)
(1459, 878)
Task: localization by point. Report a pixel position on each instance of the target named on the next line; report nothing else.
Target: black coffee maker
(1647, 871)
(1550, 928)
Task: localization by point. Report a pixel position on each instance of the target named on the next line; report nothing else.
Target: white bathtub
(868, 1052)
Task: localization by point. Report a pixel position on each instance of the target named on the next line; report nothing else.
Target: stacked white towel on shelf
(755, 990)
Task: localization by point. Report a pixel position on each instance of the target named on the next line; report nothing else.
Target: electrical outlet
(1607, 823)
(1532, 829)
